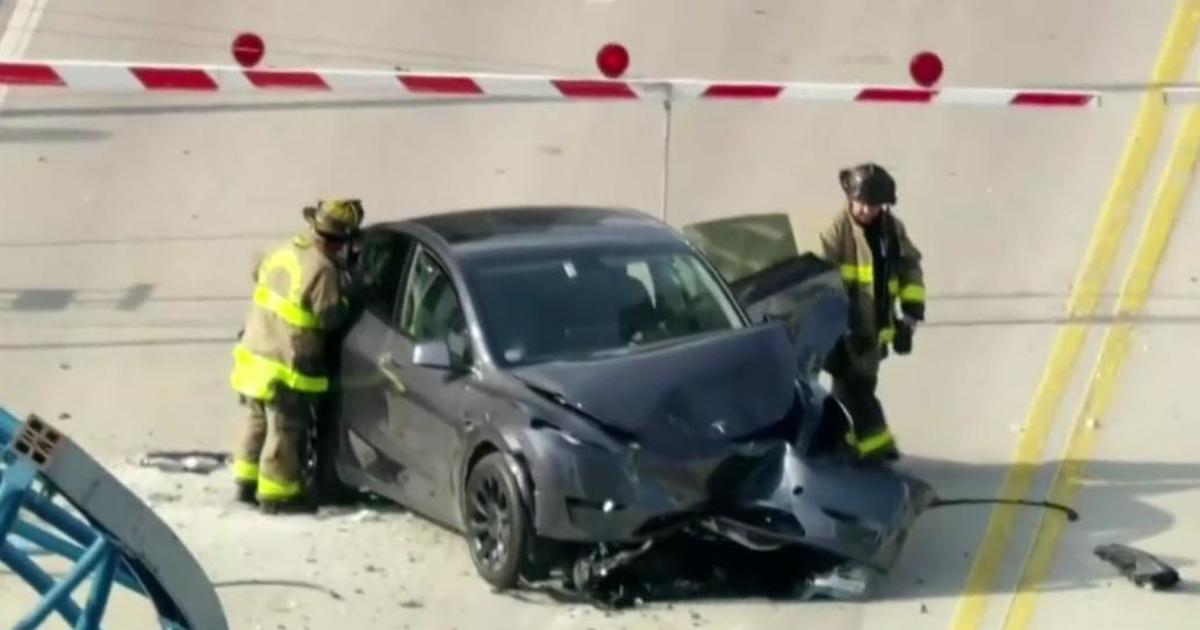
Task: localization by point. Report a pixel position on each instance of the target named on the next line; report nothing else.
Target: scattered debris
(412, 603)
(924, 609)
(198, 462)
(64, 366)
(1140, 567)
(365, 515)
(64, 416)
(842, 582)
(675, 568)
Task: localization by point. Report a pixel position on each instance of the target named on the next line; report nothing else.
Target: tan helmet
(335, 218)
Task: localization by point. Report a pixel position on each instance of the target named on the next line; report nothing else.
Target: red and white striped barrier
(96, 76)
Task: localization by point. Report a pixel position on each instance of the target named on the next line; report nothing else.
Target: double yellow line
(1114, 217)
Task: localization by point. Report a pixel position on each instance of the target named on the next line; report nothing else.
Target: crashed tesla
(587, 378)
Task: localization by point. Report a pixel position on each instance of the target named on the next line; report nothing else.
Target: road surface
(130, 222)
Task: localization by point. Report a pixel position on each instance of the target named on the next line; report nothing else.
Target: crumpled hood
(710, 390)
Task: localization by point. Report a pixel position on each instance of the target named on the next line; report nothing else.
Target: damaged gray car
(567, 386)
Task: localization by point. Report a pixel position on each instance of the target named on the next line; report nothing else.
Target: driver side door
(425, 401)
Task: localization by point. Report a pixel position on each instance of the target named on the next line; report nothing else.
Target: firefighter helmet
(335, 218)
(869, 183)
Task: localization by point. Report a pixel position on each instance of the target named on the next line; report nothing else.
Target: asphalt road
(128, 228)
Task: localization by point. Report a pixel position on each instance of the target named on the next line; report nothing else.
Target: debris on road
(198, 462)
(849, 583)
(1142, 568)
(674, 569)
(365, 516)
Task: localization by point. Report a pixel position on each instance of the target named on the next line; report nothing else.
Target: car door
(425, 403)
(378, 280)
(758, 257)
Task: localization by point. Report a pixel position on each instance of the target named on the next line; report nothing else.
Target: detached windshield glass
(585, 305)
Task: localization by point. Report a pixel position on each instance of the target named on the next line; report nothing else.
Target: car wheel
(499, 531)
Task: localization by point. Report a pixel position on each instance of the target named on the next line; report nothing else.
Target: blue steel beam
(118, 539)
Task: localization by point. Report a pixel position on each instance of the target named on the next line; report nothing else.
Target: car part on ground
(87, 516)
(1140, 567)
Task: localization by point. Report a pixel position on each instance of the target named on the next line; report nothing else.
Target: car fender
(487, 439)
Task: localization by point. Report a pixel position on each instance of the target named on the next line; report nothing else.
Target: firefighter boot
(246, 491)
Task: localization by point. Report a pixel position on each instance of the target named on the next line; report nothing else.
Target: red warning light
(612, 60)
(248, 49)
(925, 68)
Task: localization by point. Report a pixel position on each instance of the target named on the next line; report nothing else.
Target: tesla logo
(719, 426)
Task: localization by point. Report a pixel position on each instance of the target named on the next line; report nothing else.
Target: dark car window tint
(432, 310)
(379, 268)
(584, 305)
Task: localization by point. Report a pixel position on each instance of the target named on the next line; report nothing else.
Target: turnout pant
(272, 445)
(870, 436)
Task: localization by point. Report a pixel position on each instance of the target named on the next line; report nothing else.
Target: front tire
(499, 531)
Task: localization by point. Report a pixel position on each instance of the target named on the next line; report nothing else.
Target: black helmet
(869, 183)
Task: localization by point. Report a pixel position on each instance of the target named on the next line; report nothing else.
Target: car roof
(506, 229)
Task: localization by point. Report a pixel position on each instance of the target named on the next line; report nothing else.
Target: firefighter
(880, 265)
(282, 358)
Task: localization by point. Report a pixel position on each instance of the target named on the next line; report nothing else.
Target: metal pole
(666, 165)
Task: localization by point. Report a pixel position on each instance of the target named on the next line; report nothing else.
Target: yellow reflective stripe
(244, 470)
(291, 312)
(893, 286)
(273, 490)
(912, 293)
(285, 258)
(858, 273)
(254, 376)
(874, 443)
(886, 336)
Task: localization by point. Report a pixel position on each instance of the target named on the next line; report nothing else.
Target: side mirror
(433, 354)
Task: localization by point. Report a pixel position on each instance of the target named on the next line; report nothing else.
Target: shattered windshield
(588, 304)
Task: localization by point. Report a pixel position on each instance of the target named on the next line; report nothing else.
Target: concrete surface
(128, 227)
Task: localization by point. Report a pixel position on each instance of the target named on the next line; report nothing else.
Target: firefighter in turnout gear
(880, 266)
(282, 356)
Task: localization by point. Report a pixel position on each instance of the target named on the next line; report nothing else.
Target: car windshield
(581, 305)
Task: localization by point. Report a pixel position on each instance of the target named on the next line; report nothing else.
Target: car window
(379, 269)
(582, 304)
(431, 308)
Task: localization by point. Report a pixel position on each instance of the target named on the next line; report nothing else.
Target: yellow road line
(1106, 236)
(1167, 202)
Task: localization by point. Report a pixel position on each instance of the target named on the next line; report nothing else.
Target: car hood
(711, 390)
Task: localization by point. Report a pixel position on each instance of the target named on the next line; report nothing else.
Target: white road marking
(17, 34)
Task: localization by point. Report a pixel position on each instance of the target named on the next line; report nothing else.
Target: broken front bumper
(762, 495)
